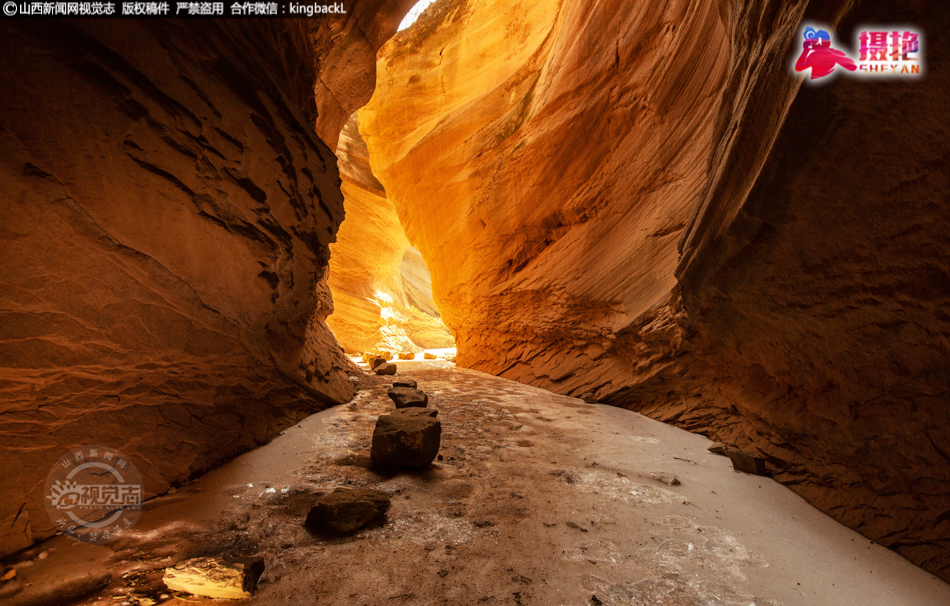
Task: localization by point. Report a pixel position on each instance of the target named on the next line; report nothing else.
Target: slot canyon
(625, 229)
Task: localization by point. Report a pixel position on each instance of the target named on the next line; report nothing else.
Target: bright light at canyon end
(414, 13)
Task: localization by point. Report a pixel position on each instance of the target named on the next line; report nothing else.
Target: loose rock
(666, 478)
(406, 397)
(405, 383)
(589, 397)
(230, 579)
(409, 438)
(428, 356)
(407, 356)
(386, 369)
(376, 362)
(744, 461)
(718, 448)
(346, 510)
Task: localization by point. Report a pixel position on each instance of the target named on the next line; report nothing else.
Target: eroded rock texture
(381, 286)
(167, 210)
(638, 202)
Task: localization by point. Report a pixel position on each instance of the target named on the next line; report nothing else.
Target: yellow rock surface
(545, 157)
(372, 266)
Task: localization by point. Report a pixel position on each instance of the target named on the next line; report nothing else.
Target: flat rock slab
(429, 356)
(212, 577)
(407, 397)
(406, 439)
(346, 510)
(385, 369)
(405, 383)
(744, 461)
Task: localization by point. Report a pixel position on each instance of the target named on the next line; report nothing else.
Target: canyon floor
(537, 499)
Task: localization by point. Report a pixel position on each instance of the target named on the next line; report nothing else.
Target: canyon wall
(167, 210)
(638, 204)
(382, 291)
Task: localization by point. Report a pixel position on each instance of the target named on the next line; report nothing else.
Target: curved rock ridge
(382, 291)
(638, 203)
(167, 210)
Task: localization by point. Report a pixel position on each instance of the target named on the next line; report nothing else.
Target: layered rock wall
(381, 286)
(167, 210)
(638, 203)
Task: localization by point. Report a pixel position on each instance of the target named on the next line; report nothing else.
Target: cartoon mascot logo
(818, 55)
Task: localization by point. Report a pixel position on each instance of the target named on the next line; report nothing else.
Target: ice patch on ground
(669, 590)
(623, 489)
(644, 440)
(420, 527)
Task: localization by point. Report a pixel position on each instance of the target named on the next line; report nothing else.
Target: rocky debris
(405, 383)
(744, 461)
(448, 358)
(429, 356)
(718, 448)
(376, 362)
(385, 369)
(666, 478)
(346, 510)
(386, 355)
(589, 397)
(9, 575)
(409, 437)
(407, 356)
(406, 397)
(213, 577)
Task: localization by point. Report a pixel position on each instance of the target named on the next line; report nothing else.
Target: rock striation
(639, 203)
(167, 210)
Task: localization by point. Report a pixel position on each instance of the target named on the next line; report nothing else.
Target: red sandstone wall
(639, 202)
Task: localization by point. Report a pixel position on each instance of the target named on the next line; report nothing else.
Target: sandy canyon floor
(537, 499)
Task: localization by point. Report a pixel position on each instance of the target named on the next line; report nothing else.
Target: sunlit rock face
(381, 287)
(636, 201)
(167, 209)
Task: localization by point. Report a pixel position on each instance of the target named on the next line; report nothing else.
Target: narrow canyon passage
(537, 499)
(629, 229)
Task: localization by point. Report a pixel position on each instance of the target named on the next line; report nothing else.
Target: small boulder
(368, 357)
(718, 448)
(386, 355)
(407, 356)
(429, 356)
(211, 577)
(665, 478)
(589, 397)
(408, 438)
(386, 369)
(406, 397)
(376, 362)
(346, 510)
(405, 383)
(744, 461)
